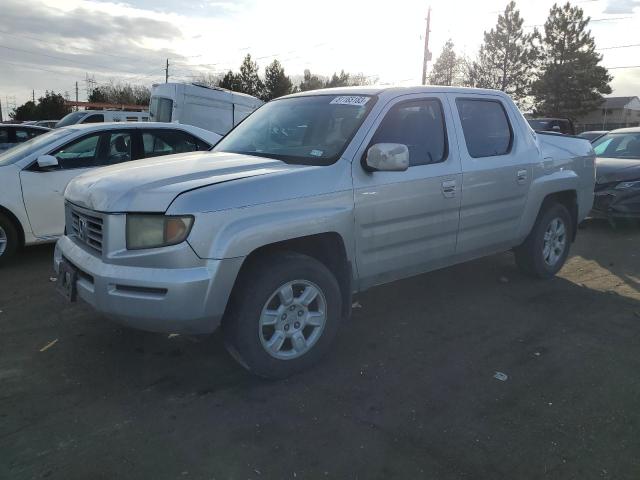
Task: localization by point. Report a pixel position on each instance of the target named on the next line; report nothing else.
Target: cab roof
(394, 89)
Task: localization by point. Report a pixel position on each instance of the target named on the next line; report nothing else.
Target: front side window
(310, 130)
(486, 128)
(81, 153)
(160, 109)
(95, 118)
(168, 142)
(420, 126)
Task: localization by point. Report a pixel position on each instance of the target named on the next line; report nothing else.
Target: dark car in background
(617, 191)
(559, 125)
(12, 135)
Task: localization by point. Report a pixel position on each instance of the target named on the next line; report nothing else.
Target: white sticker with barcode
(316, 153)
(356, 100)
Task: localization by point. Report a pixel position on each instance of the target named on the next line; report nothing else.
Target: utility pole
(33, 96)
(427, 53)
(166, 72)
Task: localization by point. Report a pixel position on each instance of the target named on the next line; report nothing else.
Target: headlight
(627, 185)
(152, 231)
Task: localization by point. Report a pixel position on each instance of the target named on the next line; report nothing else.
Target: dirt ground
(407, 392)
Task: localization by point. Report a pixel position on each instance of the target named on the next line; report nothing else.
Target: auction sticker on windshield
(356, 100)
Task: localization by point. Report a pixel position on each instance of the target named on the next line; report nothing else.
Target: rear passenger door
(496, 173)
(407, 222)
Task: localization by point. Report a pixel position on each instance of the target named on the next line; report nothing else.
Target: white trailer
(214, 109)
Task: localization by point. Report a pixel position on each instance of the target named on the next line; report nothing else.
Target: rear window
(486, 128)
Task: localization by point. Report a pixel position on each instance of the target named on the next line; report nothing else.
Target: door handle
(522, 176)
(449, 188)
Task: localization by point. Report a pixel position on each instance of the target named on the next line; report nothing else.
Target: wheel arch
(328, 248)
(9, 214)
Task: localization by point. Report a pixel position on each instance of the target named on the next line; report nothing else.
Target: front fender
(238, 232)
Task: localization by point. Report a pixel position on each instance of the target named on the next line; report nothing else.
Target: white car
(34, 175)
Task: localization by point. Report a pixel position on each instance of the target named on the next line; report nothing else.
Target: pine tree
(571, 82)
(230, 81)
(447, 69)
(276, 83)
(250, 82)
(342, 80)
(310, 82)
(507, 58)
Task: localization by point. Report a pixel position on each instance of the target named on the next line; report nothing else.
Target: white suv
(34, 175)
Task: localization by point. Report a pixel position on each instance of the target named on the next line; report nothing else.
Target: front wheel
(546, 248)
(283, 316)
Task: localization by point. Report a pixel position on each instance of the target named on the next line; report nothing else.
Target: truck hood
(151, 185)
(609, 170)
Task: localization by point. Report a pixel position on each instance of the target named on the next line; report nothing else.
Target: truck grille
(87, 229)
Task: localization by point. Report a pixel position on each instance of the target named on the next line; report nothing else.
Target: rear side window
(4, 135)
(486, 128)
(420, 126)
(168, 142)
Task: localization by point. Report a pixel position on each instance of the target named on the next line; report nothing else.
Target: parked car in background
(33, 175)
(617, 191)
(47, 123)
(100, 116)
(558, 125)
(12, 135)
(211, 108)
(593, 135)
(313, 197)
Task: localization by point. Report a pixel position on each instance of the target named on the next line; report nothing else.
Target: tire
(538, 259)
(263, 328)
(9, 238)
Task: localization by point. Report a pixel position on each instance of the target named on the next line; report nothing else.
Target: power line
(619, 46)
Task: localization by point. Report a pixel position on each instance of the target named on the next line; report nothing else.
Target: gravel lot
(407, 392)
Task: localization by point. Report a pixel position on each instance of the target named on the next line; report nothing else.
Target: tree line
(52, 106)
(555, 72)
(276, 83)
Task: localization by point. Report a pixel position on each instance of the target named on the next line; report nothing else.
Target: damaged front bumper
(612, 202)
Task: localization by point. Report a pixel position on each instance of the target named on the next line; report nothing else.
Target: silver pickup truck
(313, 197)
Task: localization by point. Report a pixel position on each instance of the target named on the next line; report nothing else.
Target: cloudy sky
(51, 44)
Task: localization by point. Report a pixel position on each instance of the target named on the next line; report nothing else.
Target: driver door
(407, 222)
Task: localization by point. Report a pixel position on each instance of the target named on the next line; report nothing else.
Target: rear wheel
(284, 314)
(546, 248)
(9, 238)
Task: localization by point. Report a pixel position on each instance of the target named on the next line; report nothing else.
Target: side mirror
(387, 157)
(47, 161)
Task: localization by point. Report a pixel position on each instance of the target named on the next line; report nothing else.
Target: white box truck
(214, 109)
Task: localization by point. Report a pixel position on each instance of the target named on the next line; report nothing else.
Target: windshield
(160, 109)
(70, 119)
(618, 145)
(30, 146)
(311, 130)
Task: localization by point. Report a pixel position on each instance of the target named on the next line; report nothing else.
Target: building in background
(615, 112)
